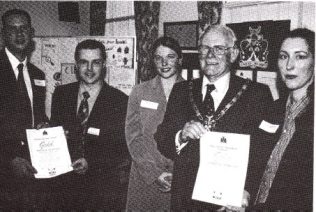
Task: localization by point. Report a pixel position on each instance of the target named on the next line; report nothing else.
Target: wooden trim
(118, 19)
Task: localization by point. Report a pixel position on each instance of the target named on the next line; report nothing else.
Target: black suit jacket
(11, 131)
(105, 151)
(292, 188)
(242, 118)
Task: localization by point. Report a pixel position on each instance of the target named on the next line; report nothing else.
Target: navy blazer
(242, 117)
(103, 152)
(11, 131)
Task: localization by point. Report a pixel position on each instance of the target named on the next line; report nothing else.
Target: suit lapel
(73, 100)
(155, 88)
(7, 73)
(101, 101)
(197, 92)
(235, 84)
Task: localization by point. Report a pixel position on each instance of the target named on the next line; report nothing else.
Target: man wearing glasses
(219, 101)
(93, 116)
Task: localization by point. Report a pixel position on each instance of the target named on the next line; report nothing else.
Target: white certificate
(223, 167)
(49, 152)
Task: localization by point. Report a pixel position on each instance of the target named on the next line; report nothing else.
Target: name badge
(93, 131)
(149, 104)
(41, 83)
(268, 127)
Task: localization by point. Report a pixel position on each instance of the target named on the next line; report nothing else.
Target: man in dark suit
(233, 105)
(93, 113)
(22, 103)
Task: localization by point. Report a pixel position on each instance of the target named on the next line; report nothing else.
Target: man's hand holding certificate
(223, 167)
(49, 152)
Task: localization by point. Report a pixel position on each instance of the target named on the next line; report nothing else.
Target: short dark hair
(8, 13)
(90, 44)
(306, 34)
(167, 42)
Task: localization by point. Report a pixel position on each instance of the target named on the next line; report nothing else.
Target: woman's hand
(164, 181)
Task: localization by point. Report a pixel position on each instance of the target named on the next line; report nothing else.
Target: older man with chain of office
(219, 101)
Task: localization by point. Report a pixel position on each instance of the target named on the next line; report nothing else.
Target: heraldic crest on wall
(254, 50)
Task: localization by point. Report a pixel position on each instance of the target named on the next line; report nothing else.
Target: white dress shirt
(14, 64)
(221, 88)
(93, 91)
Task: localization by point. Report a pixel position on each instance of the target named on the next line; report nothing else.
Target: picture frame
(185, 32)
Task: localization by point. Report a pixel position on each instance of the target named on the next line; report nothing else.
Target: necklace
(210, 122)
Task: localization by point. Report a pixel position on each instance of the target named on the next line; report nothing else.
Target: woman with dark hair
(286, 138)
(151, 173)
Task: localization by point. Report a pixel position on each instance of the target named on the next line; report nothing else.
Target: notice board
(55, 57)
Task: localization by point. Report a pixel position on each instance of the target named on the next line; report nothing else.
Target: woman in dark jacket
(284, 156)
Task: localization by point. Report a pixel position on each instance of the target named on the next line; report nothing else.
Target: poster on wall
(55, 57)
(258, 43)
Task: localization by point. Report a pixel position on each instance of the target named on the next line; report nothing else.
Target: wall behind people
(301, 14)
(45, 18)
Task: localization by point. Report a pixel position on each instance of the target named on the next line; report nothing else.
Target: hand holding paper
(49, 151)
(223, 167)
(80, 166)
(192, 130)
(22, 168)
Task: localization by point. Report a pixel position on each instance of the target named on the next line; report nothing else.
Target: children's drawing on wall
(120, 52)
(48, 52)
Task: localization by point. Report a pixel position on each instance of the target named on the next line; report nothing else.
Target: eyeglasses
(85, 63)
(216, 50)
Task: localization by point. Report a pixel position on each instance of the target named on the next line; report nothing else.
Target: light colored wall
(301, 14)
(175, 11)
(45, 21)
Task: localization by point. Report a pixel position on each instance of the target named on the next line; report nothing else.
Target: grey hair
(226, 31)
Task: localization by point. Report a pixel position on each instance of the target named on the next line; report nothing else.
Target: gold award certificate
(223, 168)
(49, 152)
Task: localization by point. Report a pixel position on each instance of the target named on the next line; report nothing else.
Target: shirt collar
(13, 60)
(93, 90)
(221, 84)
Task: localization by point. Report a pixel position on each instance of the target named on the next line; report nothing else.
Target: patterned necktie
(83, 111)
(208, 103)
(24, 100)
(82, 116)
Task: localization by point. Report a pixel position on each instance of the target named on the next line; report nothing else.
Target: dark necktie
(83, 111)
(82, 116)
(24, 100)
(208, 103)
